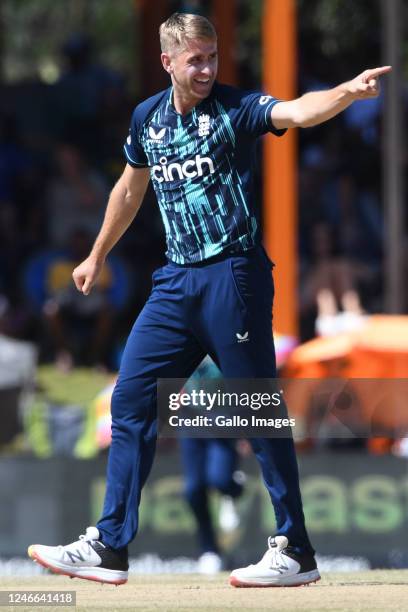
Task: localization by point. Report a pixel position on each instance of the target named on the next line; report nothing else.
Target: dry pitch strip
(370, 591)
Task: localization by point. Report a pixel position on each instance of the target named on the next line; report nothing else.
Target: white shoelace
(83, 543)
(273, 558)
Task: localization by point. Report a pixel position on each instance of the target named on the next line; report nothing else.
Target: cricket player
(195, 141)
(210, 464)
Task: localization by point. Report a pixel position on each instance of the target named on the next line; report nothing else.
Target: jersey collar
(196, 108)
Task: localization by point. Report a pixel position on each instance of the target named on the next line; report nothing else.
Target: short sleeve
(134, 152)
(255, 114)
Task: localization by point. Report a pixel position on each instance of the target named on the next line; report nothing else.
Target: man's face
(193, 68)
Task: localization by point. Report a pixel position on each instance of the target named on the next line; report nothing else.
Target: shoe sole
(298, 580)
(33, 554)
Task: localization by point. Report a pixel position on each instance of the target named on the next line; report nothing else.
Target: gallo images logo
(187, 170)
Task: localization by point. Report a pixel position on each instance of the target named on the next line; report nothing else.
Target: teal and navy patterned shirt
(202, 168)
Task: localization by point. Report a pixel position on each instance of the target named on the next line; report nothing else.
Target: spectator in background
(15, 222)
(331, 320)
(86, 91)
(79, 331)
(13, 163)
(76, 192)
(328, 270)
(340, 236)
(363, 117)
(353, 208)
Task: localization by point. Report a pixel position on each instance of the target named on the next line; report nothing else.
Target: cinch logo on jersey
(188, 170)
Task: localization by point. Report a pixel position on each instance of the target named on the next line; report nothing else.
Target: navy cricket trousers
(193, 311)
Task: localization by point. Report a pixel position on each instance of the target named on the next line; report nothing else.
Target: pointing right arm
(124, 202)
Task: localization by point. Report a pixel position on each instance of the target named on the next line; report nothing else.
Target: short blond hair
(181, 26)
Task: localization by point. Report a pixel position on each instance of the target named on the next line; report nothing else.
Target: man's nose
(206, 69)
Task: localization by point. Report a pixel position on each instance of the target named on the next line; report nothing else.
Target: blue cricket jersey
(202, 168)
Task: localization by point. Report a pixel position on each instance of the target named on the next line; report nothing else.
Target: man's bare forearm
(319, 106)
(124, 202)
(119, 214)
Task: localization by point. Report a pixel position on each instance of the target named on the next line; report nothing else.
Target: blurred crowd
(60, 153)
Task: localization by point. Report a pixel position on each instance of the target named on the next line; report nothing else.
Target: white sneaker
(209, 563)
(280, 566)
(86, 558)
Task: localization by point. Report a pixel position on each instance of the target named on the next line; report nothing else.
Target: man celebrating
(195, 141)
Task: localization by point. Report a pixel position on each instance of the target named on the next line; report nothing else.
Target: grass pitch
(376, 590)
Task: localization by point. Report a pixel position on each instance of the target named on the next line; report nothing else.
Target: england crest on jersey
(204, 125)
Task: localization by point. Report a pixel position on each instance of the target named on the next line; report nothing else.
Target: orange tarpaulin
(379, 349)
(375, 359)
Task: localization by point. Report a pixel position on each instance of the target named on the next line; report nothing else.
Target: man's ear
(166, 62)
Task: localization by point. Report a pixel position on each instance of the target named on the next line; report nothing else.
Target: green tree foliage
(340, 35)
(336, 38)
(33, 32)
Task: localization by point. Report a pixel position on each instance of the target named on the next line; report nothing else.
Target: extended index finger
(376, 72)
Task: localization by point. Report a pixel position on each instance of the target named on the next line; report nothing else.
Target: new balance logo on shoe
(87, 558)
(243, 338)
(280, 568)
(157, 136)
(281, 565)
(74, 556)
